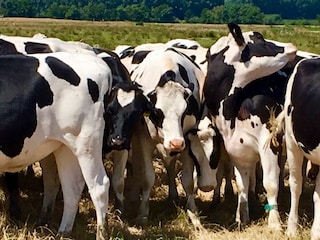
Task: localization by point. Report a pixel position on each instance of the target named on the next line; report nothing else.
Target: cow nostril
(176, 144)
(116, 141)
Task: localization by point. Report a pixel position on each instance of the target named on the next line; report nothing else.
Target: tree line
(194, 11)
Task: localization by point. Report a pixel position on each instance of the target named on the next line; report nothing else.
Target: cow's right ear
(236, 32)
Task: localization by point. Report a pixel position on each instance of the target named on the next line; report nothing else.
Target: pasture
(167, 220)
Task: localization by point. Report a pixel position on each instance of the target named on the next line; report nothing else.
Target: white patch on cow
(125, 98)
(170, 99)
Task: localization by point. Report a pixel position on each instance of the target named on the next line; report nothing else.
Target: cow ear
(167, 76)
(236, 32)
(152, 96)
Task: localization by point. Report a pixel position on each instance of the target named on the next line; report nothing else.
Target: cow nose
(176, 145)
(206, 188)
(117, 141)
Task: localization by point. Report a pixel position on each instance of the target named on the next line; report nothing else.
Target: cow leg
(51, 186)
(271, 171)
(119, 164)
(12, 185)
(98, 183)
(242, 178)
(295, 162)
(187, 180)
(315, 230)
(170, 165)
(72, 184)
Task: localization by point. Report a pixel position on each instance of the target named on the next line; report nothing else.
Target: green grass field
(110, 34)
(167, 220)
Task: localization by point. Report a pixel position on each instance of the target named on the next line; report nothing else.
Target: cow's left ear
(236, 32)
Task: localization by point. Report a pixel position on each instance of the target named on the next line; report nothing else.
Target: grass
(110, 34)
(167, 220)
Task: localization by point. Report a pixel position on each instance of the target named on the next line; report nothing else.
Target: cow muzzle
(206, 188)
(176, 145)
(118, 143)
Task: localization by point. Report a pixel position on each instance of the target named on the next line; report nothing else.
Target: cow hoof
(142, 221)
(63, 236)
(102, 233)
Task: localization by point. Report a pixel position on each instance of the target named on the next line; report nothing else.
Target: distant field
(167, 221)
(110, 34)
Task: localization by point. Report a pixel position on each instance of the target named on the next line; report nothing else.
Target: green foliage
(193, 11)
(240, 13)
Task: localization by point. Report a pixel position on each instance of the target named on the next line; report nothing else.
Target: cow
(173, 83)
(205, 143)
(301, 135)
(190, 48)
(39, 43)
(38, 89)
(238, 113)
(36, 44)
(117, 137)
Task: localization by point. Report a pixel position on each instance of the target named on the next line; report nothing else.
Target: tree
(161, 13)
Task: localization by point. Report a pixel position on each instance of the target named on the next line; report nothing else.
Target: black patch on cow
(305, 98)
(252, 124)
(119, 72)
(218, 81)
(216, 153)
(21, 89)
(235, 30)
(241, 140)
(167, 76)
(184, 55)
(289, 109)
(93, 90)
(34, 47)
(260, 49)
(257, 37)
(193, 57)
(7, 48)
(129, 52)
(63, 71)
(191, 154)
(183, 72)
(193, 107)
(257, 98)
(313, 172)
(139, 56)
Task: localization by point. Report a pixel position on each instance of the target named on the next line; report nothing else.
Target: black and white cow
(241, 114)
(31, 45)
(173, 83)
(189, 47)
(126, 104)
(300, 116)
(38, 119)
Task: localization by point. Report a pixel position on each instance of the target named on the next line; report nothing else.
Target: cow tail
(275, 126)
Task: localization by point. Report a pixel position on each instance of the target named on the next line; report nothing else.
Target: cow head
(171, 101)
(249, 54)
(238, 59)
(125, 106)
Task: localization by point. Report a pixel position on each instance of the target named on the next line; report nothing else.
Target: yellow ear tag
(146, 114)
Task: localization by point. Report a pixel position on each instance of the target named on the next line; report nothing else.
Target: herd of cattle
(243, 101)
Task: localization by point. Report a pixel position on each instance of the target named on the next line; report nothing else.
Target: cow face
(171, 102)
(126, 106)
